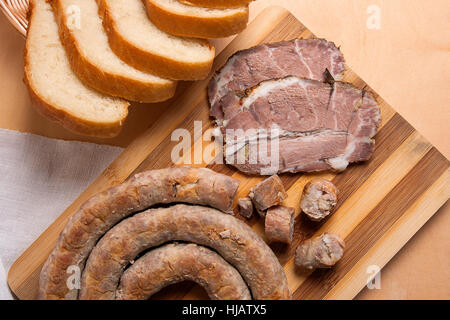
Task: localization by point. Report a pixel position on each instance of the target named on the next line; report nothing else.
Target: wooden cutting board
(382, 203)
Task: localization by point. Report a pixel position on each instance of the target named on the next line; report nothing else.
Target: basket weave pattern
(16, 12)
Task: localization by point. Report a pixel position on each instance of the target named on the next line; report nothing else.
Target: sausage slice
(319, 199)
(268, 193)
(279, 224)
(321, 252)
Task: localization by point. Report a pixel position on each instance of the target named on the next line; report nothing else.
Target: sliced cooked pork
(309, 58)
(318, 126)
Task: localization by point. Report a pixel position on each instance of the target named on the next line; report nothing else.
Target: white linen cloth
(39, 179)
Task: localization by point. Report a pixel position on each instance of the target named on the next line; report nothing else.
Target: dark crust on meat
(178, 262)
(233, 239)
(97, 215)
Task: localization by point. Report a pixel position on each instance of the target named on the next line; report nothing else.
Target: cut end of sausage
(319, 199)
(333, 250)
(321, 252)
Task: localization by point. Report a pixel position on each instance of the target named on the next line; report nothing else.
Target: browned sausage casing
(177, 262)
(279, 224)
(245, 207)
(268, 193)
(104, 210)
(234, 240)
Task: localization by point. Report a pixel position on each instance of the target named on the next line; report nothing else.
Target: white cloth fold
(39, 178)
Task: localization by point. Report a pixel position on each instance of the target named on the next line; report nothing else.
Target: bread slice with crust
(54, 88)
(186, 20)
(138, 42)
(91, 58)
(217, 3)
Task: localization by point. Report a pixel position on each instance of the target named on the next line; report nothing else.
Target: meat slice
(308, 58)
(268, 193)
(307, 125)
(319, 198)
(321, 252)
(279, 224)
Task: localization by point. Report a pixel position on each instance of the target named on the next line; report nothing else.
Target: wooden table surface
(405, 58)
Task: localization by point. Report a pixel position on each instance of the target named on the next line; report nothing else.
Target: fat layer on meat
(310, 125)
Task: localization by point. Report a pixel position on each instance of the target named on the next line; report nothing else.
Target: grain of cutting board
(382, 203)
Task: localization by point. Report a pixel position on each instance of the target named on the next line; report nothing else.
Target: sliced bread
(91, 58)
(186, 20)
(217, 3)
(141, 44)
(55, 89)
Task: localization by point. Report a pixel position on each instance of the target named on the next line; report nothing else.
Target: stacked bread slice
(93, 61)
(199, 18)
(85, 59)
(138, 42)
(55, 89)
(76, 79)
(218, 4)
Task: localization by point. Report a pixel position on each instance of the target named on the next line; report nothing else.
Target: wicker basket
(16, 12)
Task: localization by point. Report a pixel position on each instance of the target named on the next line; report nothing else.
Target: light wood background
(406, 61)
